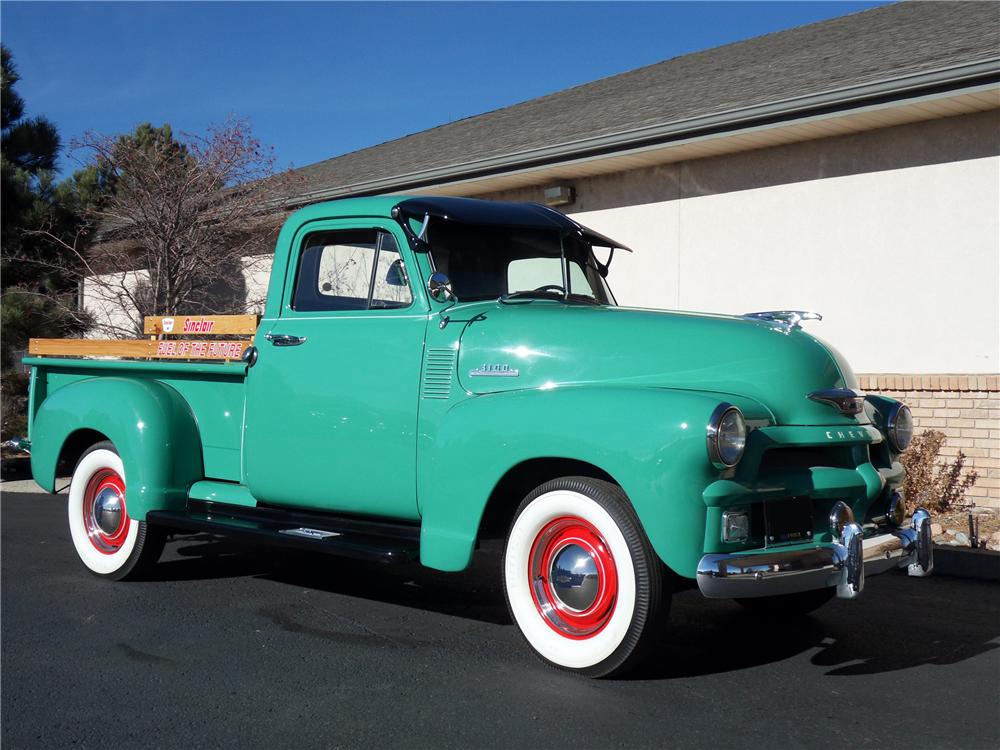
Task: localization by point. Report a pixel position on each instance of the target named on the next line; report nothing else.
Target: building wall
(109, 300)
(893, 235)
(966, 409)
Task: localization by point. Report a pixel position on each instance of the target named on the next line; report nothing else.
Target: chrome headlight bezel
(899, 416)
(716, 432)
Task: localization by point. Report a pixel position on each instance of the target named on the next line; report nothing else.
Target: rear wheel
(109, 543)
(789, 605)
(581, 580)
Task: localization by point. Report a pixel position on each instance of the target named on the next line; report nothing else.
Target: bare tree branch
(182, 226)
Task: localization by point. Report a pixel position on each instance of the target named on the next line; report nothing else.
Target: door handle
(284, 339)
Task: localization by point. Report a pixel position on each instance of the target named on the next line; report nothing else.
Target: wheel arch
(150, 424)
(521, 479)
(645, 440)
(74, 446)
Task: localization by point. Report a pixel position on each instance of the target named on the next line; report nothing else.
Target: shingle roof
(883, 43)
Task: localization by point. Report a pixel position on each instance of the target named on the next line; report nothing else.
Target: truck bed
(214, 391)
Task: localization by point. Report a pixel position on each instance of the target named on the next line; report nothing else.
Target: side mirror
(439, 285)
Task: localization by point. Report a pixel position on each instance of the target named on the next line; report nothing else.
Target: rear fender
(150, 424)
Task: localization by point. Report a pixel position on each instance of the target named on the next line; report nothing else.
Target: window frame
(301, 243)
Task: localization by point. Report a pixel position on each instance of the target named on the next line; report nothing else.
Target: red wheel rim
(573, 578)
(104, 515)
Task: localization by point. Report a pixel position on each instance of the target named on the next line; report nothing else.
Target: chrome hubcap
(575, 578)
(104, 514)
(108, 510)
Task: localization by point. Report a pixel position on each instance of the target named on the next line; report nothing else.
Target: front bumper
(844, 564)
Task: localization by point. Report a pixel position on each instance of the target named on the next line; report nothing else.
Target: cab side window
(356, 269)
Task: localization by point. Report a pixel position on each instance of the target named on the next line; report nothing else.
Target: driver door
(332, 399)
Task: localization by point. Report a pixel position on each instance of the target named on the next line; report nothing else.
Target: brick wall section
(966, 408)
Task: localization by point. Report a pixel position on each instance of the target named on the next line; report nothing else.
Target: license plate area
(787, 521)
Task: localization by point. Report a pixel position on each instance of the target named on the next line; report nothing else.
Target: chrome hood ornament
(845, 400)
(790, 318)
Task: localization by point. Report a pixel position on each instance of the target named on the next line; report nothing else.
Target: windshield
(489, 262)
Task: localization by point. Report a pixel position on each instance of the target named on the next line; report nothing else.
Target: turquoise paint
(228, 493)
(346, 422)
(331, 423)
(150, 424)
(214, 394)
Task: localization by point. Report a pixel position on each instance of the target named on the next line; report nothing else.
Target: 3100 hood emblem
(494, 371)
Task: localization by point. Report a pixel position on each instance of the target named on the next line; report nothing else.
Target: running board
(361, 539)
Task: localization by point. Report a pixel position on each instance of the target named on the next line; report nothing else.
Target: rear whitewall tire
(624, 634)
(135, 547)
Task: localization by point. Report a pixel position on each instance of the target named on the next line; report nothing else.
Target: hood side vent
(439, 371)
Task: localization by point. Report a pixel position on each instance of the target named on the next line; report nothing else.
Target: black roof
(875, 45)
(473, 211)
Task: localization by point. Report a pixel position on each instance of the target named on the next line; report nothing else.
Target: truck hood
(547, 344)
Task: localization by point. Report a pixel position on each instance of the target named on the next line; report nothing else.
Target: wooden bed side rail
(202, 349)
(177, 325)
(156, 347)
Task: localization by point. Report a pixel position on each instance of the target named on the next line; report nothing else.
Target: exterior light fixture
(559, 195)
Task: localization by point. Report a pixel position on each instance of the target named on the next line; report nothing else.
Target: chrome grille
(439, 370)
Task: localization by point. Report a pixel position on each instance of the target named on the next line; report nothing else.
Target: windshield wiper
(528, 295)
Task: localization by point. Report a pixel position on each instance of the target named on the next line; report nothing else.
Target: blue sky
(321, 79)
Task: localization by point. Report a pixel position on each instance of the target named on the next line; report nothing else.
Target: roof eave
(896, 88)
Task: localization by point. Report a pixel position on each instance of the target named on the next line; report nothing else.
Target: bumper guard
(843, 564)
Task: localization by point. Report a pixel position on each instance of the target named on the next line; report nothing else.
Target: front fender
(650, 440)
(150, 424)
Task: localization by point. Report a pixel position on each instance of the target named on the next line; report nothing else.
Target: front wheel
(581, 580)
(109, 543)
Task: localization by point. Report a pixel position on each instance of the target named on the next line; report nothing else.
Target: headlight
(899, 427)
(727, 436)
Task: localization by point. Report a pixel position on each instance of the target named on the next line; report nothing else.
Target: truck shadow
(898, 623)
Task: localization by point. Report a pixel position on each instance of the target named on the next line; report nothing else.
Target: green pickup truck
(432, 372)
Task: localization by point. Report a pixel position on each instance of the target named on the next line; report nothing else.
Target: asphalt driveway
(235, 646)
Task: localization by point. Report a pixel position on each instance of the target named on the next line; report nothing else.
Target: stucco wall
(893, 235)
(108, 299)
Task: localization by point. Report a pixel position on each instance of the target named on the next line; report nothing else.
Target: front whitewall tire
(567, 652)
(600, 507)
